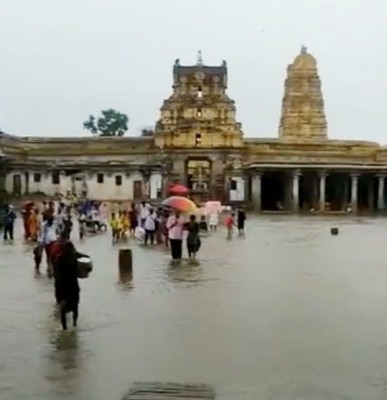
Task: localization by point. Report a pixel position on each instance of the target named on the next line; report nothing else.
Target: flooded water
(287, 312)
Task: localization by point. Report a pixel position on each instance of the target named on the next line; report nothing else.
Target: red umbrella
(178, 189)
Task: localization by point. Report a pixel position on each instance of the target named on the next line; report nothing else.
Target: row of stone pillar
(256, 190)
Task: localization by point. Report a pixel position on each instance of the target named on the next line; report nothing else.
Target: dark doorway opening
(274, 191)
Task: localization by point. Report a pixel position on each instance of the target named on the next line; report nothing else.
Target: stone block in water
(169, 391)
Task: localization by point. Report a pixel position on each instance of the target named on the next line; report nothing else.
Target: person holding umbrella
(175, 223)
(175, 226)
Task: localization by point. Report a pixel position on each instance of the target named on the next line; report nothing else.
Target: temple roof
(180, 70)
(304, 60)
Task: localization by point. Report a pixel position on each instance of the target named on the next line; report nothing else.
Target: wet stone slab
(169, 391)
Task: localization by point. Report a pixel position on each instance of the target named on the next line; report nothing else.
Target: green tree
(110, 123)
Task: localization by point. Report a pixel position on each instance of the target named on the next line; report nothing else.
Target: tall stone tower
(199, 113)
(303, 116)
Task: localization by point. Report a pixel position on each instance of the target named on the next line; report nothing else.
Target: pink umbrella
(178, 189)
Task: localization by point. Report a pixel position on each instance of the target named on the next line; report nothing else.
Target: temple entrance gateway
(199, 178)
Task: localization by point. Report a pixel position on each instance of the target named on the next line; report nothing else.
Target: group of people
(166, 226)
(49, 227)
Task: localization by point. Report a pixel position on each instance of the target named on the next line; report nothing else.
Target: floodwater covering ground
(287, 312)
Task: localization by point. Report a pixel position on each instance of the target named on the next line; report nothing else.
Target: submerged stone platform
(169, 391)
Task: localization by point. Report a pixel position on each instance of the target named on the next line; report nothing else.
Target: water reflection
(187, 271)
(64, 362)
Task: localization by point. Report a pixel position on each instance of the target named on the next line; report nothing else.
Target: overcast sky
(61, 60)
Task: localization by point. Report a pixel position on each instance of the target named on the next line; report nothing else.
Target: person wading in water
(241, 218)
(175, 226)
(66, 282)
(9, 223)
(48, 237)
(193, 239)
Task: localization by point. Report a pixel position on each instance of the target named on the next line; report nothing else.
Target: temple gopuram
(198, 142)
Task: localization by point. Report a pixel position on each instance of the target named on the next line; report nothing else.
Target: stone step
(169, 391)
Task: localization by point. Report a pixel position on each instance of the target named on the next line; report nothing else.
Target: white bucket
(85, 266)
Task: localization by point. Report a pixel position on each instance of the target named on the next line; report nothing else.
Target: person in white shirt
(144, 211)
(150, 227)
(175, 226)
(213, 220)
(47, 238)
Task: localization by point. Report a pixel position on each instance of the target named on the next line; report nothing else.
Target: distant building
(198, 142)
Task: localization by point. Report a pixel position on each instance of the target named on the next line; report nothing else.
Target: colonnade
(320, 191)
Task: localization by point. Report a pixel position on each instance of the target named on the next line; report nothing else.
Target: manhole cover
(169, 391)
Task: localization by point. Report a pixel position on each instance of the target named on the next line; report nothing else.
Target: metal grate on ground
(169, 391)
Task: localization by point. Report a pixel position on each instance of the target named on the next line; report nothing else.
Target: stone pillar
(354, 192)
(296, 191)
(256, 192)
(322, 189)
(165, 184)
(212, 188)
(381, 182)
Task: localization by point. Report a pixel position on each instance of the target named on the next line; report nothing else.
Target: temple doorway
(17, 185)
(199, 179)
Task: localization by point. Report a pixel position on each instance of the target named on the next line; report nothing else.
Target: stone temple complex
(198, 141)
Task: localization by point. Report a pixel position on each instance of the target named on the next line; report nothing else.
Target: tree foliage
(110, 123)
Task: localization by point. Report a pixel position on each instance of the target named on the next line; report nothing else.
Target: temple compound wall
(198, 142)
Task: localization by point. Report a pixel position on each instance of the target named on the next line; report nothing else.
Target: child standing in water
(114, 225)
(230, 223)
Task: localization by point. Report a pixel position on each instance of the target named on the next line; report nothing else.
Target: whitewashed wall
(239, 193)
(108, 190)
(44, 186)
(156, 184)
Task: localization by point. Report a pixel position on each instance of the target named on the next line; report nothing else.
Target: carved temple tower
(303, 116)
(199, 113)
(197, 128)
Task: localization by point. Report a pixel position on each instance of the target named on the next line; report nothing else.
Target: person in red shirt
(230, 223)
